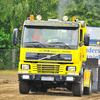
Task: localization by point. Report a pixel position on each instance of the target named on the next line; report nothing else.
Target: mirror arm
(19, 41)
(81, 43)
(20, 27)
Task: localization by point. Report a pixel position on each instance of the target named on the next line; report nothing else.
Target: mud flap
(86, 78)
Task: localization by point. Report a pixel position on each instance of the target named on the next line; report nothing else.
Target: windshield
(50, 38)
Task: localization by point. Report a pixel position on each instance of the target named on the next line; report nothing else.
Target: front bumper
(51, 78)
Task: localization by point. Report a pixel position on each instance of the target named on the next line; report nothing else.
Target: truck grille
(47, 68)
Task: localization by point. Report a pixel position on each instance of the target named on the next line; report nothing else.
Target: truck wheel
(88, 90)
(78, 88)
(23, 87)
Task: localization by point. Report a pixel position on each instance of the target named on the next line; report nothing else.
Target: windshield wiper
(36, 43)
(59, 43)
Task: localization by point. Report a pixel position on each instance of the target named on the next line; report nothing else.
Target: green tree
(4, 39)
(46, 8)
(87, 10)
(13, 12)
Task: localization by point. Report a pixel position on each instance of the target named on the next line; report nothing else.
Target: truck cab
(53, 54)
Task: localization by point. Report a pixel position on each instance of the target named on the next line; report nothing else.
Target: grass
(9, 72)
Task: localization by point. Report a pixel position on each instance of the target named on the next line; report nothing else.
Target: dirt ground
(9, 90)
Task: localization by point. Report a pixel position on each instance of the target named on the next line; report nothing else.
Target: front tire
(23, 87)
(78, 88)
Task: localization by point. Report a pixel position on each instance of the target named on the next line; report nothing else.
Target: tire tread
(23, 87)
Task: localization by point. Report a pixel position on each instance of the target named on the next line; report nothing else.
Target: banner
(93, 52)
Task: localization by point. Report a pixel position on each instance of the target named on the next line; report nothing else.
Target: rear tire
(23, 87)
(88, 90)
(78, 88)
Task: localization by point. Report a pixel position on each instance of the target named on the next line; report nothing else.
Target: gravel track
(9, 90)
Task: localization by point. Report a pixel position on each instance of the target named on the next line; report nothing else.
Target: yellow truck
(53, 54)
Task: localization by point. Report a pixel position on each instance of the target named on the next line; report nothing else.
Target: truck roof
(51, 24)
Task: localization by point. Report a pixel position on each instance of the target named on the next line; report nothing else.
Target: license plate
(47, 78)
(25, 77)
(69, 78)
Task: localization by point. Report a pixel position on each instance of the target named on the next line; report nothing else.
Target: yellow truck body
(53, 62)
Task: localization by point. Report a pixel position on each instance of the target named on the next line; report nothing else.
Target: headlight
(71, 68)
(25, 67)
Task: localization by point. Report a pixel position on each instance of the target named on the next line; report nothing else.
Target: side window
(81, 35)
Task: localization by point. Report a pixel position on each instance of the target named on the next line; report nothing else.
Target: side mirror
(15, 36)
(86, 39)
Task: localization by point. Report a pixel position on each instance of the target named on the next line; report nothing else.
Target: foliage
(13, 12)
(4, 39)
(87, 10)
(6, 58)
